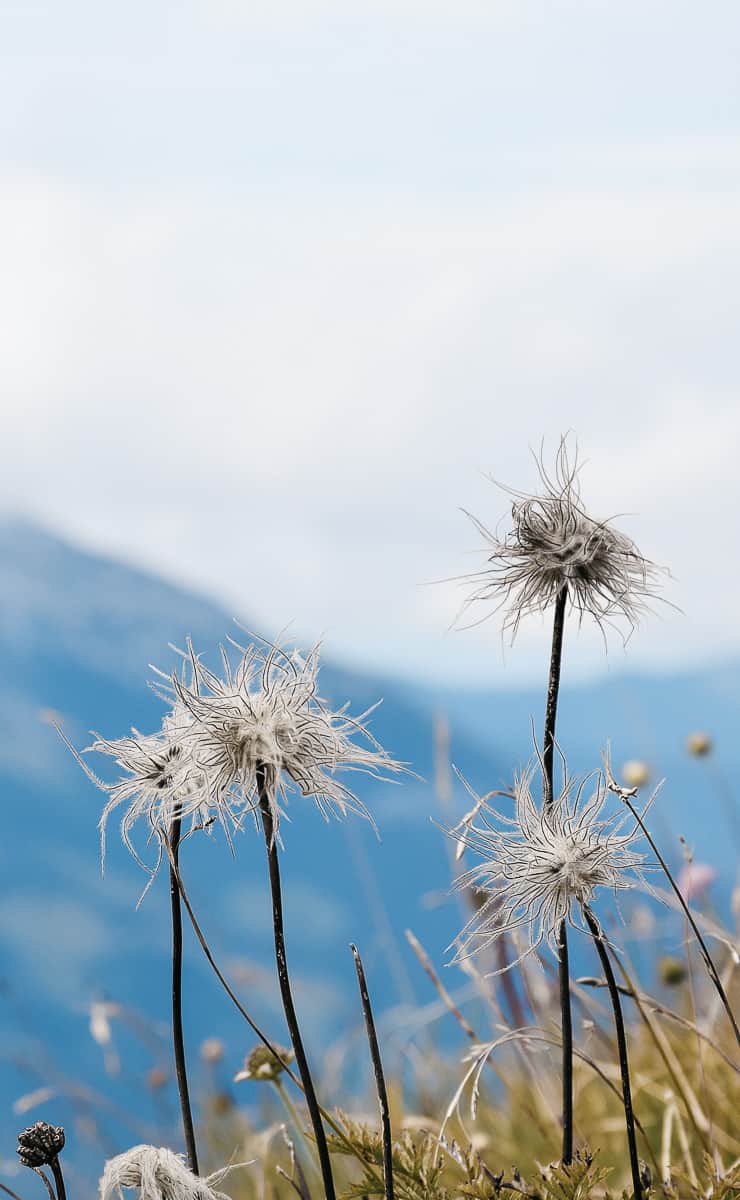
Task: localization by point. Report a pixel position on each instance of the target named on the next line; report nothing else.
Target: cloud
(267, 326)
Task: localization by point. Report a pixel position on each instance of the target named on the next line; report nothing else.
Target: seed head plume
(158, 1174)
(553, 542)
(202, 764)
(266, 714)
(543, 864)
(160, 781)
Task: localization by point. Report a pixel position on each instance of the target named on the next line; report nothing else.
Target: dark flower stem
(268, 825)
(708, 960)
(56, 1167)
(611, 984)
(177, 1035)
(349, 1146)
(553, 691)
(548, 754)
(372, 1038)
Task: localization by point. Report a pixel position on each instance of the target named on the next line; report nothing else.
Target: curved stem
(268, 825)
(372, 1038)
(42, 1175)
(548, 752)
(611, 984)
(177, 1034)
(708, 960)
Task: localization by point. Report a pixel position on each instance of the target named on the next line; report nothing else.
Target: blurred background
(283, 286)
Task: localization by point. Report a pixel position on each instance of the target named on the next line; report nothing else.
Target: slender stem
(291, 1018)
(672, 1064)
(566, 1021)
(553, 691)
(9, 1191)
(372, 1039)
(56, 1168)
(177, 1034)
(349, 1145)
(548, 753)
(296, 1122)
(611, 984)
(708, 960)
(47, 1183)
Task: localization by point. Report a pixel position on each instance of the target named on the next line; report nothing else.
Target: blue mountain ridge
(77, 632)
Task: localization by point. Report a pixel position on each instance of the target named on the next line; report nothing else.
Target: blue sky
(283, 281)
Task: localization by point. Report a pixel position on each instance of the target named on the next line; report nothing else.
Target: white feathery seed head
(266, 715)
(160, 781)
(543, 864)
(202, 766)
(554, 543)
(158, 1174)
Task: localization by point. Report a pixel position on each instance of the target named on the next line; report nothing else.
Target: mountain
(77, 632)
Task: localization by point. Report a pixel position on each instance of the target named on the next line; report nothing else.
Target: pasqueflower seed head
(160, 781)
(157, 1173)
(542, 865)
(554, 543)
(266, 715)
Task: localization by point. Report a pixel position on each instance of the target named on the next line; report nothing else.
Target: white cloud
(278, 383)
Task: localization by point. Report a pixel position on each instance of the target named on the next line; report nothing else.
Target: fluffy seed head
(160, 781)
(266, 715)
(157, 1174)
(541, 865)
(554, 543)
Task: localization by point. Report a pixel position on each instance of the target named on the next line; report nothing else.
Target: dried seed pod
(40, 1144)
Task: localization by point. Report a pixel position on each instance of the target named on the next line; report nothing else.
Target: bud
(221, 1104)
(635, 773)
(212, 1050)
(261, 1064)
(671, 971)
(699, 744)
(40, 1144)
(646, 1176)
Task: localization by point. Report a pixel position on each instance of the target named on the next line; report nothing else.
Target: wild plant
(234, 748)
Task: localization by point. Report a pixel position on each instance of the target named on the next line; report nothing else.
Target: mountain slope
(76, 634)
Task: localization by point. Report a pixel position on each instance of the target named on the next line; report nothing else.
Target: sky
(284, 284)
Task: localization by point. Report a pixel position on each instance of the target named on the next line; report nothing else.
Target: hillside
(77, 633)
